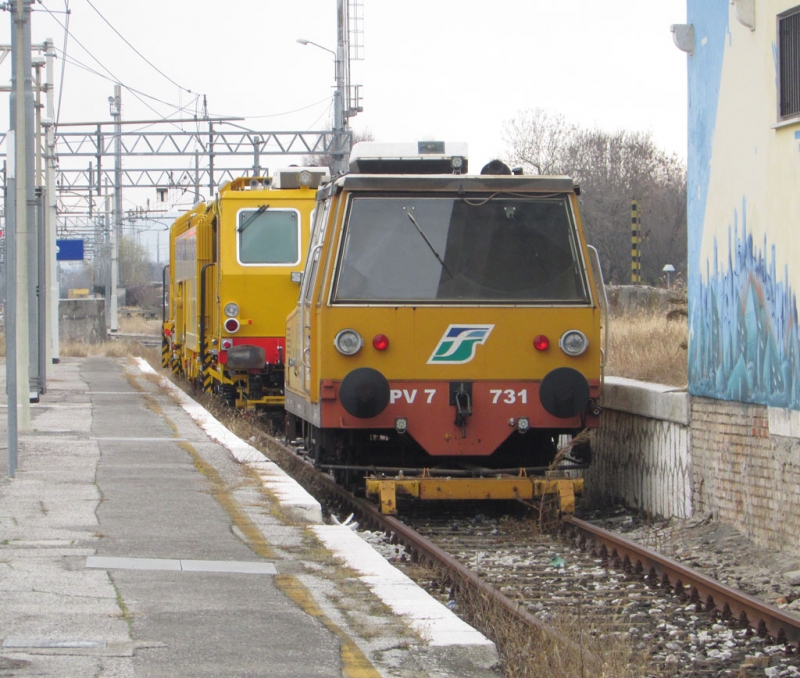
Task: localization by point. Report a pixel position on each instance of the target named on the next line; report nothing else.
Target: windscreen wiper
(252, 217)
(428, 243)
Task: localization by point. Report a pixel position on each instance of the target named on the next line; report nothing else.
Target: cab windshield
(453, 249)
(268, 236)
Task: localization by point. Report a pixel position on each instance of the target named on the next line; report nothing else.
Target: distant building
(744, 199)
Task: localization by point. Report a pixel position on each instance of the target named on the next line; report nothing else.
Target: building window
(789, 63)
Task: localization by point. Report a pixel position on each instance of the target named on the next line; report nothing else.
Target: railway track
(581, 588)
(612, 607)
(144, 340)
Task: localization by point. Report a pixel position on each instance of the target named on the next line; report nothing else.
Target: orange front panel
(496, 407)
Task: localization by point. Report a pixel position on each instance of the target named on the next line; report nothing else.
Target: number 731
(508, 396)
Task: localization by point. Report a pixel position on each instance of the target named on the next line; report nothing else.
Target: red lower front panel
(496, 409)
(274, 348)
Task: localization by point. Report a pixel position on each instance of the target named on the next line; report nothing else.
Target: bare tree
(134, 268)
(612, 169)
(539, 141)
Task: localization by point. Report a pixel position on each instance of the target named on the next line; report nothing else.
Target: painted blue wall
(745, 343)
(743, 321)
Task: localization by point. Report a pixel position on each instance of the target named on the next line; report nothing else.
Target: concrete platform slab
(137, 540)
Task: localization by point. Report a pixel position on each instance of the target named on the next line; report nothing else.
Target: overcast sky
(432, 69)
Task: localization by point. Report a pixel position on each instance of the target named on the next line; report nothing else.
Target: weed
(649, 345)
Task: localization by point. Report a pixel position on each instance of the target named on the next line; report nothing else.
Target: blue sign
(69, 250)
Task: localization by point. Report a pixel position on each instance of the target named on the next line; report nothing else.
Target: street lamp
(303, 41)
(338, 107)
(669, 268)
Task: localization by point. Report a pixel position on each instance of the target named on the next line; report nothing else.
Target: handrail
(203, 317)
(164, 295)
(604, 305)
(304, 349)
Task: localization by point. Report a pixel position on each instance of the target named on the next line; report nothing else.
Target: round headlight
(231, 309)
(348, 342)
(573, 342)
(304, 178)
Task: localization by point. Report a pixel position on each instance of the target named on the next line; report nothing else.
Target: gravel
(718, 550)
(682, 642)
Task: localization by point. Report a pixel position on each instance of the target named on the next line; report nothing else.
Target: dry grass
(132, 321)
(115, 348)
(649, 345)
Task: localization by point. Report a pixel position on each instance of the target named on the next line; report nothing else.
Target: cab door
(307, 294)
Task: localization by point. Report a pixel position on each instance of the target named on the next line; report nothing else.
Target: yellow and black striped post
(636, 239)
(166, 351)
(208, 380)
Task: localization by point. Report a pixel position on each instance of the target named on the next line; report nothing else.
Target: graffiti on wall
(745, 341)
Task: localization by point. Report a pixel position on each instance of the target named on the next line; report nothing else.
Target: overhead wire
(296, 110)
(114, 78)
(63, 63)
(144, 58)
(78, 41)
(327, 112)
(138, 93)
(132, 90)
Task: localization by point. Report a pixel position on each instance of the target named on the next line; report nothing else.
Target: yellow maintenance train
(234, 273)
(448, 328)
(430, 332)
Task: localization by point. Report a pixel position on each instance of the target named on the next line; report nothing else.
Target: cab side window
(317, 237)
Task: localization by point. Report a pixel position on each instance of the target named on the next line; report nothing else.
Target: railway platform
(140, 538)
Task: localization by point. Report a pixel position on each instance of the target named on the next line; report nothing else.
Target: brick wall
(661, 451)
(747, 472)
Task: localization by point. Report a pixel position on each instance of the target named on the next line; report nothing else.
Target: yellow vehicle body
(457, 377)
(234, 272)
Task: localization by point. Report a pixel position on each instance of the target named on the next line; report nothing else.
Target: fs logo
(458, 344)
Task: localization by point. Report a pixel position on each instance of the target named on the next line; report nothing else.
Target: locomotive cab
(446, 320)
(232, 283)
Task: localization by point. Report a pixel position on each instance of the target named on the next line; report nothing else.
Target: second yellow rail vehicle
(234, 272)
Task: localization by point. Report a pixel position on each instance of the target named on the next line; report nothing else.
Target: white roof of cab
(410, 149)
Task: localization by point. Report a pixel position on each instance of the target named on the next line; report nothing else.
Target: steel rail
(729, 602)
(422, 548)
(707, 593)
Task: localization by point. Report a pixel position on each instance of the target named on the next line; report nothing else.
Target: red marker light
(381, 342)
(232, 325)
(541, 342)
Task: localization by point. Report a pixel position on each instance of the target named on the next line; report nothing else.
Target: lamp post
(668, 269)
(338, 107)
